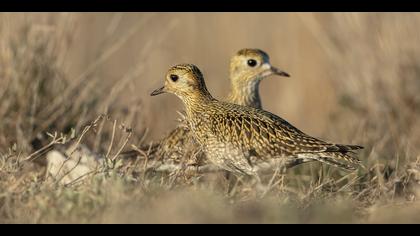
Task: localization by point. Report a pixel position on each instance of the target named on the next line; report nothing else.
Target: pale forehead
(186, 69)
(253, 53)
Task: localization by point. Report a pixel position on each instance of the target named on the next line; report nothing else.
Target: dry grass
(355, 79)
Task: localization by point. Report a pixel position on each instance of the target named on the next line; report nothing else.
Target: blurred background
(152, 42)
(355, 78)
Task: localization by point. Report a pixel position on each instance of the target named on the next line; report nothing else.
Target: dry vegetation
(355, 79)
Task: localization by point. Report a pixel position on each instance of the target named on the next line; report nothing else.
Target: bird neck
(245, 92)
(197, 102)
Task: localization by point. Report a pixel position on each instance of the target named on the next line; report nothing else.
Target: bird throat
(246, 93)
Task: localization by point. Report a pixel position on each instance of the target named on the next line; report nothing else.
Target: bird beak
(276, 71)
(271, 70)
(158, 91)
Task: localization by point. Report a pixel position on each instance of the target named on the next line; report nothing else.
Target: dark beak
(158, 91)
(279, 72)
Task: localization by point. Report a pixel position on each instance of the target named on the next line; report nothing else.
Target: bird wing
(268, 134)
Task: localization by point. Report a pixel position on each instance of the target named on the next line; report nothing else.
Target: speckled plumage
(243, 139)
(245, 80)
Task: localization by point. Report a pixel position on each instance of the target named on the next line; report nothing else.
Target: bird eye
(252, 62)
(174, 78)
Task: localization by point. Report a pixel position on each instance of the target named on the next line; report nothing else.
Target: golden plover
(247, 68)
(244, 139)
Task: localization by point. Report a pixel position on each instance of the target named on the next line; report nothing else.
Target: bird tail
(343, 148)
(340, 160)
(337, 159)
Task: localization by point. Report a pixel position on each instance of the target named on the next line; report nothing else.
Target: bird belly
(227, 156)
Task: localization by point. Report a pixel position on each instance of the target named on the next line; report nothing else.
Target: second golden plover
(244, 139)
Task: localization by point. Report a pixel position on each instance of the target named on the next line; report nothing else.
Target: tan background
(310, 46)
(207, 40)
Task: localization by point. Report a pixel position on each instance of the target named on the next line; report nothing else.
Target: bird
(248, 67)
(242, 139)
